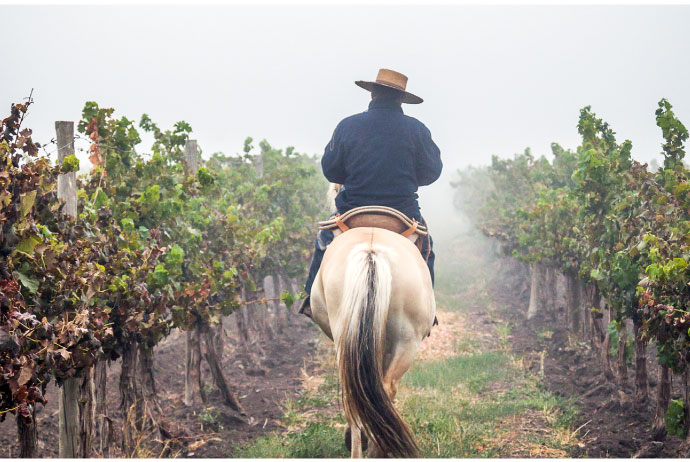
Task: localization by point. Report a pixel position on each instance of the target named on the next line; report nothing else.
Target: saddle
(376, 216)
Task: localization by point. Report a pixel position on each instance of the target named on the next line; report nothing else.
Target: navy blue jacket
(381, 157)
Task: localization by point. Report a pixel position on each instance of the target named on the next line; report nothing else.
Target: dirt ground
(609, 425)
(262, 380)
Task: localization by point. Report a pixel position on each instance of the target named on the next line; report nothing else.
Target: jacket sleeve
(428, 160)
(333, 160)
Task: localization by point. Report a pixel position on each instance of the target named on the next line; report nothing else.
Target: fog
(495, 79)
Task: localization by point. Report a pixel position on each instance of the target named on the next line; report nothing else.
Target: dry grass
(311, 383)
(456, 334)
(520, 436)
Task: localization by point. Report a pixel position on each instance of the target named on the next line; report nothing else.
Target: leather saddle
(375, 216)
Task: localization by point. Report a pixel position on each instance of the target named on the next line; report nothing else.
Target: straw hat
(391, 79)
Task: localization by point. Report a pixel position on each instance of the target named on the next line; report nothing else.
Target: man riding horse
(380, 157)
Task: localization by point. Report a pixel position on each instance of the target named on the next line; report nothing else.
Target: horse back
(412, 307)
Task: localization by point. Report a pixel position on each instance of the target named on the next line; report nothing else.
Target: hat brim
(408, 97)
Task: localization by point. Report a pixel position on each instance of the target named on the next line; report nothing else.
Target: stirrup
(305, 307)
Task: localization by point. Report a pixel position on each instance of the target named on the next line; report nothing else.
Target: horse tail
(367, 405)
(333, 190)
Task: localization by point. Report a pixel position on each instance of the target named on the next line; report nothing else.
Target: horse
(373, 297)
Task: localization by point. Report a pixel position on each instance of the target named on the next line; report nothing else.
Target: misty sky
(495, 79)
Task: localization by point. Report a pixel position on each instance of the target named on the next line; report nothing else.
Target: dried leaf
(26, 373)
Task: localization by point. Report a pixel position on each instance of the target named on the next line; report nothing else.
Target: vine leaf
(27, 202)
(30, 284)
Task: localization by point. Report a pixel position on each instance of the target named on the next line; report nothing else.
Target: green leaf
(26, 202)
(675, 418)
(175, 256)
(159, 276)
(127, 224)
(288, 299)
(27, 245)
(151, 196)
(205, 176)
(596, 275)
(100, 198)
(69, 164)
(30, 284)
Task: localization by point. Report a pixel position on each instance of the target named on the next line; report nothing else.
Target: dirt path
(467, 395)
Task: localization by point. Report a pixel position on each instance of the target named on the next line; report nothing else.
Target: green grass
(452, 406)
(316, 440)
(455, 414)
(475, 371)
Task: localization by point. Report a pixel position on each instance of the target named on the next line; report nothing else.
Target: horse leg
(356, 443)
(348, 440)
(401, 361)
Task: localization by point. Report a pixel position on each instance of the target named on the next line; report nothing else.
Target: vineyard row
(103, 266)
(618, 232)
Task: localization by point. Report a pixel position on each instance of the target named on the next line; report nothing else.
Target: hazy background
(495, 79)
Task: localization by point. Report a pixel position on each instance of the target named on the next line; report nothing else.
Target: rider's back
(381, 157)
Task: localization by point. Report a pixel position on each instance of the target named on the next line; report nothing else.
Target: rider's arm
(428, 160)
(333, 160)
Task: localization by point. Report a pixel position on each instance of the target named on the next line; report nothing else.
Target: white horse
(373, 297)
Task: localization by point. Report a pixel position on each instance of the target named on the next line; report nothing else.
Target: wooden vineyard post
(191, 156)
(641, 379)
(76, 420)
(76, 400)
(663, 398)
(254, 317)
(103, 422)
(280, 312)
(283, 285)
(596, 316)
(192, 377)
(536, 302)
(242, 319)
(550, 293)
(622, 366)
(28, 435)
(67, 182)
(574, 302)
(585, 325)
(259, 164)
(262, 312)
(130, 399)
(605, 353)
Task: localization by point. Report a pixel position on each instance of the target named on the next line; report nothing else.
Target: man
(381, 157)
